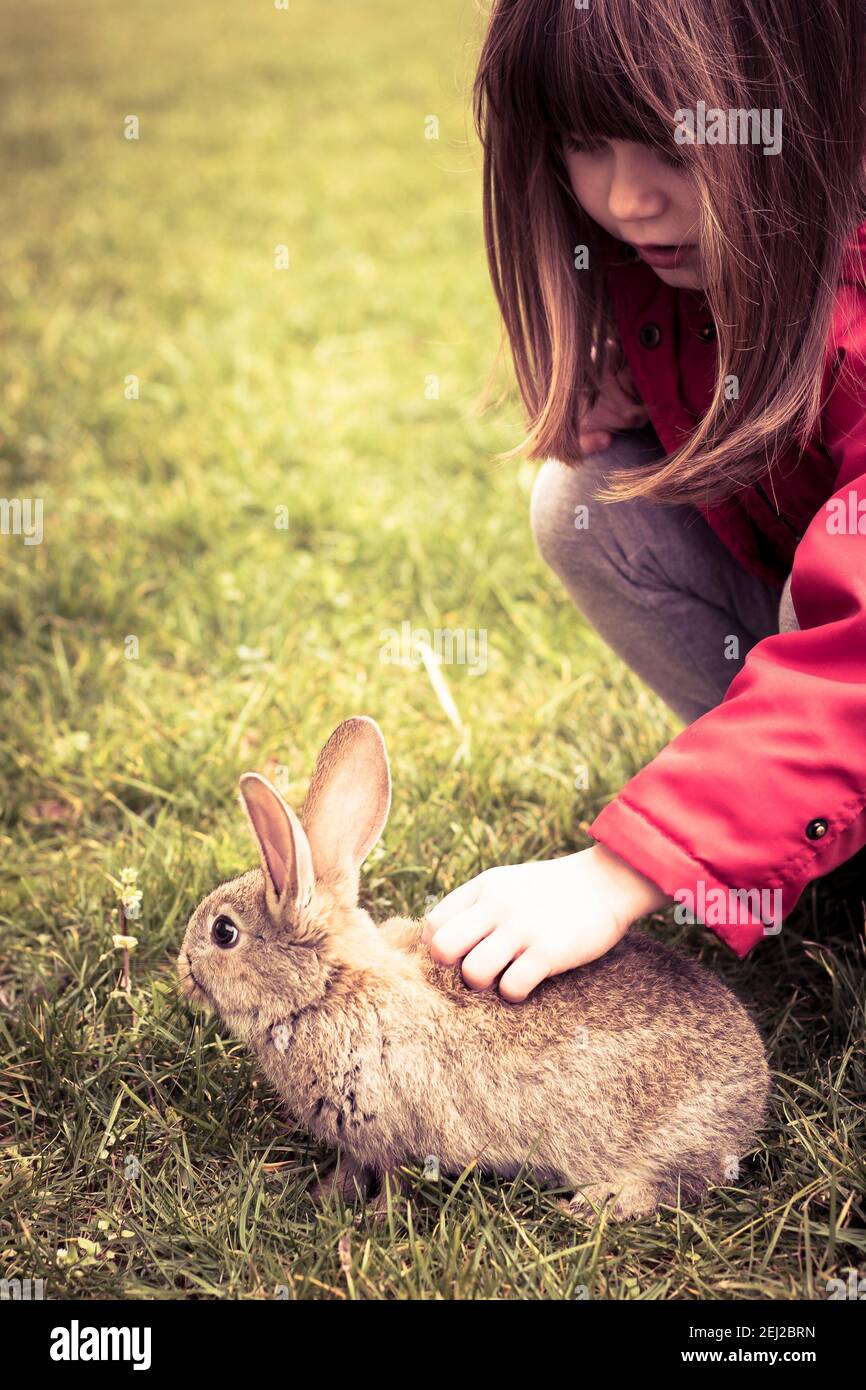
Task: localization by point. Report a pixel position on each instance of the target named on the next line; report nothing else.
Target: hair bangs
(589, 92)
(561, 72)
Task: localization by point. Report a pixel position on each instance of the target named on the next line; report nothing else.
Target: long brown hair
(773, 230)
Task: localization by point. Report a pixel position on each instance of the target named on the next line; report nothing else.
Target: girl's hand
(619, 407)
(535, 920)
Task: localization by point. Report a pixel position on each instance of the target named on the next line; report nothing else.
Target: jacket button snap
(817, 829)
(707, 332)
(650, 335)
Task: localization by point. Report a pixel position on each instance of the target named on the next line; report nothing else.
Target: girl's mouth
(664, 257)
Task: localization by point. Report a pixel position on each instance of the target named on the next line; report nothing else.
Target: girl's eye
(224, 933)
(666, 154)
(575, 146)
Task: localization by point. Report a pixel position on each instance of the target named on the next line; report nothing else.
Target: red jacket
(768, 790)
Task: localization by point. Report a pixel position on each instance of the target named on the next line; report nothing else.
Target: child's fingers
(458, 936)
(455, 901)
(521, 978)
(595, 441)
(490, 958)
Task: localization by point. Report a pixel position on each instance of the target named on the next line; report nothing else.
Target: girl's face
(637, 196)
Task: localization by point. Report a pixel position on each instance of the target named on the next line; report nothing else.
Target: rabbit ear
(349, 798)
(285, 849)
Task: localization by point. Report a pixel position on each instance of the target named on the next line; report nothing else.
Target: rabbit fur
(638, 1078)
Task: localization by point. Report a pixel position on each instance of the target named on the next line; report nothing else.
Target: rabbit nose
(188, 982)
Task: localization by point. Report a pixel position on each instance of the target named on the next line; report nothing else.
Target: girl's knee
(567, 522)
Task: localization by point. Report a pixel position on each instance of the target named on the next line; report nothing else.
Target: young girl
(673, 200)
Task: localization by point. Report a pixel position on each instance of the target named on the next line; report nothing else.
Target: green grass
(301, 388)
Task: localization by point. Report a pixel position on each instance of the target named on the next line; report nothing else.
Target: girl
(673, 200)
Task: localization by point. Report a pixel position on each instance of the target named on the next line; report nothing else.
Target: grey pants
(654, 581)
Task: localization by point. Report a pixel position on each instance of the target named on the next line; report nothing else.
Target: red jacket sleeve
(768, 791)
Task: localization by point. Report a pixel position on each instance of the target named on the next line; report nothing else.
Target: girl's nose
(635, 192)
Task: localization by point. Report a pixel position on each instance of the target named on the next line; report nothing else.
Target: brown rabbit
(639, 1076)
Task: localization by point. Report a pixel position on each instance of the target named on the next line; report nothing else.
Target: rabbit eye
(224, 933)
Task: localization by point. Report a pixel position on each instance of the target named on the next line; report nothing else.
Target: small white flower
(130, 893)
(132, 905)
(124, 943)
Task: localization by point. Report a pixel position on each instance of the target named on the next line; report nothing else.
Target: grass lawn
(171, 631)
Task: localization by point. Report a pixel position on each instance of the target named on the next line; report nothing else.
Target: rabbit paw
(377, 1207)
(631, 1200)
(346, 1182)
